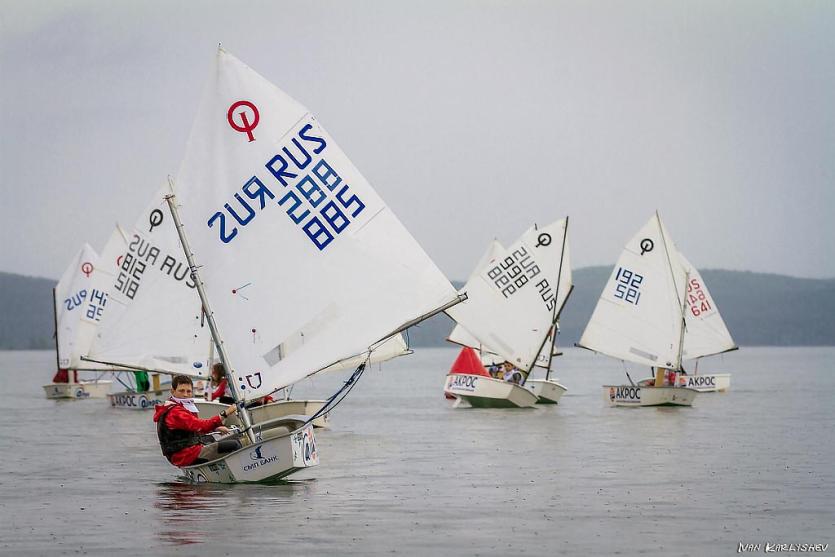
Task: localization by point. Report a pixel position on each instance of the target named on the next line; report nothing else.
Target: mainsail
(97, 296)
(639, 314)
(71, 295)
(153, 319)
(303, 262)
(513, 297)
(705, 333)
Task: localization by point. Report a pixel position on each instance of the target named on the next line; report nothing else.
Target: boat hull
(547, 392)
(702, 382)
(97, 389)
(270, 411)
(130, 400)
(485, 392)
(272, 459)
(637, 396)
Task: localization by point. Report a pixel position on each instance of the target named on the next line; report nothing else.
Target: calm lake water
(403, 473)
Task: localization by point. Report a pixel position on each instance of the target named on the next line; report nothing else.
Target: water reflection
(198, 512)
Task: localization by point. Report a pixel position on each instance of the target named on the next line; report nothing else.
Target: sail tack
(514, 295)
(302, 260)
(639, 314)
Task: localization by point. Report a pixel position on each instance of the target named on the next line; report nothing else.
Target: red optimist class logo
(247, 119)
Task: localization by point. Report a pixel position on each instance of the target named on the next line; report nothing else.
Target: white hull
(281, 453)
(97, 389)
(130, 400)
(636, 396)
(269, 411)
(547, 392)
(702, 382)
(486, 392)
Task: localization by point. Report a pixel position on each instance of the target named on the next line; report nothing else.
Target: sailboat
(73, 297)
(297, 261)
(706, 334)
(515, 296)
(640, 317)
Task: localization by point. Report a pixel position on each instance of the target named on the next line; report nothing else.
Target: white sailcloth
(512, 299)
(389, 349)
(459, 334)
(154, 318)
(639, 314)
(705, 333)
(104, 274)
(71, 295)
(304, 264)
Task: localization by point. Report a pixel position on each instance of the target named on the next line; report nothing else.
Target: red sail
(468, 363)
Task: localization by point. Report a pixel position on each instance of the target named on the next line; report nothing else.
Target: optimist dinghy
(73, 298)
(640, 317)
(305, 265)
(705, 335)
(515, 296)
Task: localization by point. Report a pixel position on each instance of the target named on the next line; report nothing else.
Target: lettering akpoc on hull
(134, 401)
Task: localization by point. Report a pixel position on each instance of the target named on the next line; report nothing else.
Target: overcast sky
(471, 119)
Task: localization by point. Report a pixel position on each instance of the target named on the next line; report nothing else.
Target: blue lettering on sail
(315, 198)
(628, 286)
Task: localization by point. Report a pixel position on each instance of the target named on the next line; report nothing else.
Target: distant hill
(760, 310)
(26, 318)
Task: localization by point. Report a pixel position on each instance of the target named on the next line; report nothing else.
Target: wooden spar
(207, 310)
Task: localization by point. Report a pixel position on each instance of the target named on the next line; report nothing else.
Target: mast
(683, 322)
(683, 297)
(554, 314)
(55, 319)
(207, 310)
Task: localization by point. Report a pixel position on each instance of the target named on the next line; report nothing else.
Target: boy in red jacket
(179, 428)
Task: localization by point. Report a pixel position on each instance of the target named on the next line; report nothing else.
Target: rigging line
(349, 384)
(125, 385)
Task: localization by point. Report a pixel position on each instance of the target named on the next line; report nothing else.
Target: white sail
(639, 314)
(512, 299)
(103, 276)
(71, 294)
(304, 264)
(153, 319)
(459, 334)
(705, 333)
(391, 348)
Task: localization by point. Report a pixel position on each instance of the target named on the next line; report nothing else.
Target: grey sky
(471, 119)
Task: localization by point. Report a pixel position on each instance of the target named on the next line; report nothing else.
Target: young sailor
(180, 431)
(222, 392)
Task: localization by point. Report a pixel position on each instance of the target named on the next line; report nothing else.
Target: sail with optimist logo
(153, 320)
(303, 261)
(639, 316)
(515, 295)
(74, 298)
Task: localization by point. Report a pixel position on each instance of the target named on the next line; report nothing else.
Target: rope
(349, 384)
